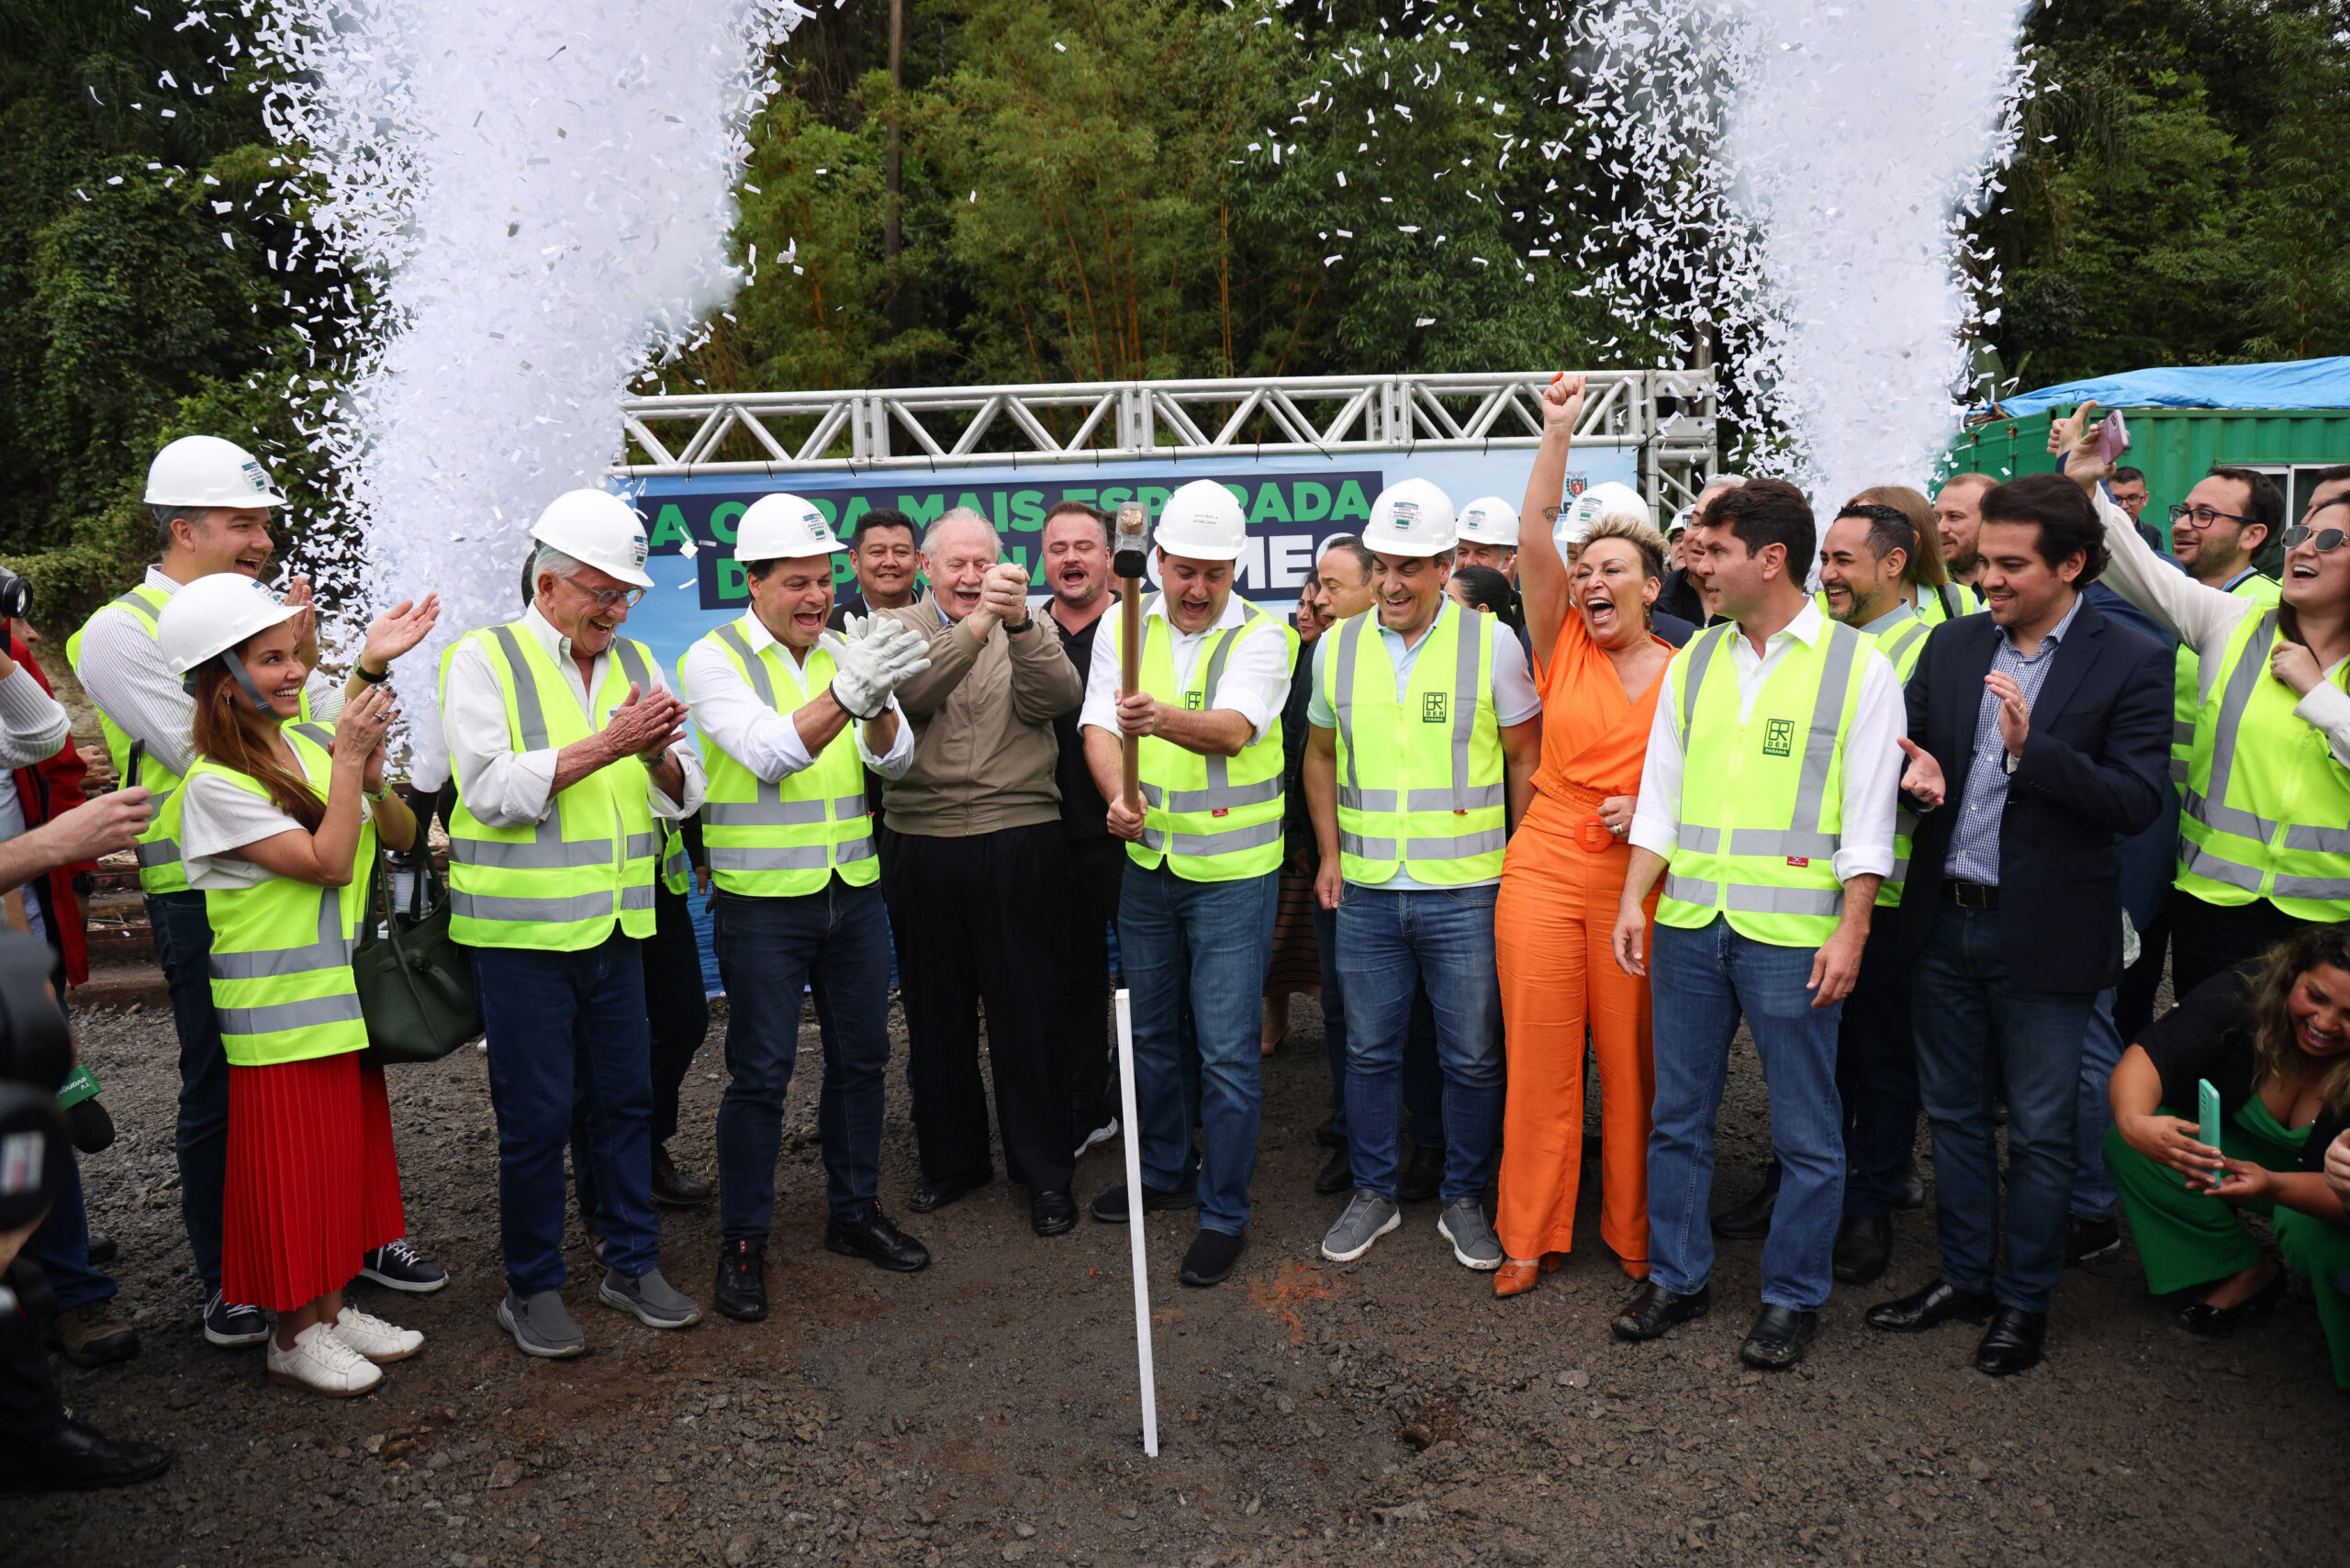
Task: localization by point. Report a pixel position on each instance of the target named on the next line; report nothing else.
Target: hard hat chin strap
(235, 667)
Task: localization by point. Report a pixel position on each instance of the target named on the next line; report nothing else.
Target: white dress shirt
(2204, 618)
(1255, 682)
(121, 667)
(730, 714)
(1871, 748)
(505, 787)
(32, 729)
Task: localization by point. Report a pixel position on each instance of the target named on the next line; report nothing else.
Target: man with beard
(1958, 516)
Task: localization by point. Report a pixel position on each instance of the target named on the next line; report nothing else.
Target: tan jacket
(983, 717)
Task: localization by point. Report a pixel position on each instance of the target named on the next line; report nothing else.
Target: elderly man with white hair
(972, 868)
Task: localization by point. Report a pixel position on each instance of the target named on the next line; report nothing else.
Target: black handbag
(415, 984)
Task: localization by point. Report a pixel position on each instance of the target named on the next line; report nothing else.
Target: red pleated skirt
(313, 1183)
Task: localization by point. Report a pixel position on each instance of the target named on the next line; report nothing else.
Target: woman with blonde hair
(2273, 1038)
(1599, 667)
(279, 820)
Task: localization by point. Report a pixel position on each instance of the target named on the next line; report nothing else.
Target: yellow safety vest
(556, 885)
(2266, 813)
(2186, 675)
(1902, 644)
(282, 987)
(1761, 797)
(784, 840)
(1422, 787)
(1208, 819)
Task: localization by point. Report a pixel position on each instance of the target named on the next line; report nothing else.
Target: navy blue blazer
(2094, 769)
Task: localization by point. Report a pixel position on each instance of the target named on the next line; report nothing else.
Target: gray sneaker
(1369, 1216)
(540, 1325)
(1474, 1242)
(650, 1296)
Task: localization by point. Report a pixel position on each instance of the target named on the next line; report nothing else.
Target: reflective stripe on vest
(2188, 695)
(559, 884)
(1208, 819)
(1903, 644)
(280, 965)
(785, 839)
(1775, 884)
(1379, 830)
(158, 848)
(2252, 762)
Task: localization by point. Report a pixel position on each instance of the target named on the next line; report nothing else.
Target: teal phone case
(2208, 1107)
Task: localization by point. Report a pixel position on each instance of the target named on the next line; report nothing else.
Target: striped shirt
(1975, 844)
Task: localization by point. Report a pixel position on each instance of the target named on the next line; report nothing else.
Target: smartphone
(2112, 438)
(2207, 1106)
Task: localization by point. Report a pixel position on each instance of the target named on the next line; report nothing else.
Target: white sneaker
(379, 1341)
(321, 1362)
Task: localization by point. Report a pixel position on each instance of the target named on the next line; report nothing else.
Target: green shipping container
(2176, 447)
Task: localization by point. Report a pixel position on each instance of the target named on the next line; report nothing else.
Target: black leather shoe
(1337, 1175)
(1653, 1309)
(1912, 1185)
(1938, 1303)
(71, 1457)
(2087, 1239)
(1211, 1257)
(102, 1248)
(1110, 1207)
(2219, 1322)
(1863, 1246)
(936, 1192)
(1052, 1212)
(2012, 1343)
(741, 1290)
(876, 1240)
(672, 1188)
(1779, 1337)
(1422, 1176)
(1327, 1135)
(1750, 1221)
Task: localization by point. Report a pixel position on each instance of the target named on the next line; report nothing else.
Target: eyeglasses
(2201, 517)
(2320, 539)
(604, 598)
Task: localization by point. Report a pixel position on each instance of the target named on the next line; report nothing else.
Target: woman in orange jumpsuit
(1599, 668)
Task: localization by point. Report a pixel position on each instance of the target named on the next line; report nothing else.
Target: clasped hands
(1923, 780)
(871, 654)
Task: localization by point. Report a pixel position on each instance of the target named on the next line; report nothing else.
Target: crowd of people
(1929, 801)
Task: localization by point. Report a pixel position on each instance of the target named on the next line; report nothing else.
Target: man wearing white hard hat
(564, 742)
(211, 502)
(1427, 730)
(1488, 536)
(790, 717)
(1197, 905)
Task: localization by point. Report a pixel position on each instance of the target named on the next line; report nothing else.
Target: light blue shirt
(1974, 844)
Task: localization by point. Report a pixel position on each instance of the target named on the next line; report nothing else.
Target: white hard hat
(1489, 519)
(204, 471)
(596, 529)
(1411, 517)
(783, 527)
(1202, 521)
(1606, 499)
(213, 614)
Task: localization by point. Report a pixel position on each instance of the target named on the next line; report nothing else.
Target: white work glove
(870, 656)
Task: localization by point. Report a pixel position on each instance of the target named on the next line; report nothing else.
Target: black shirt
(1083, 812)
(2210, 1035)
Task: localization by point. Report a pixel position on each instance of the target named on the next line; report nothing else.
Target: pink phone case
(2112, 437)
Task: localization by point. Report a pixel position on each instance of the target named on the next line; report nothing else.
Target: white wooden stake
(1133, 1130)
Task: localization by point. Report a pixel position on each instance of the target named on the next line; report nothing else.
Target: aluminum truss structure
(1670, 416)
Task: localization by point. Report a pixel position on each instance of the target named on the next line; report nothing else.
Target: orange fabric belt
(1585, 829)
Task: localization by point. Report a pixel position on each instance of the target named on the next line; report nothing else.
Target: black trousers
(30, 1405)
(2208, 937)
(978, 920)
(677, 1005)
(1081, 1024)
(2134, 999)
(1877, 1077)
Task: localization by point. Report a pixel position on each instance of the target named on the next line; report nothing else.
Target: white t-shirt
(216, 816)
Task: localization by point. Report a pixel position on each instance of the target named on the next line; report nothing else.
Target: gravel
(985, 1411)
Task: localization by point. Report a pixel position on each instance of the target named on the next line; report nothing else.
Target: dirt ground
(986, 1411)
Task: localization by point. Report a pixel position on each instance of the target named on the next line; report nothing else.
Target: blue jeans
(1423, 1077)
(1968, 1016)
(62, 1246)
(1208, 941)
(183, 950)
(1702, 981)
(1391, 945)
(835, 943)
(560, 1023)
(2094, 1197)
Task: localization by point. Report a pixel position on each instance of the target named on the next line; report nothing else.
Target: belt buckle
(1592, 835)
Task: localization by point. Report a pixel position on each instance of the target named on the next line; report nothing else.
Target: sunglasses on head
(2321, 539)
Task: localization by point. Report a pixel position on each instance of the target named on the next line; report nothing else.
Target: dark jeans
(561, 1026)
(1089, 903)
(184, 948)
(30, 1405)
(836, 944)
(1876, 1076)
(61, 1246)
(676, 1005)
(1423, 1075)
(967, 914)
(2208, 937)
(1974, 1025)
